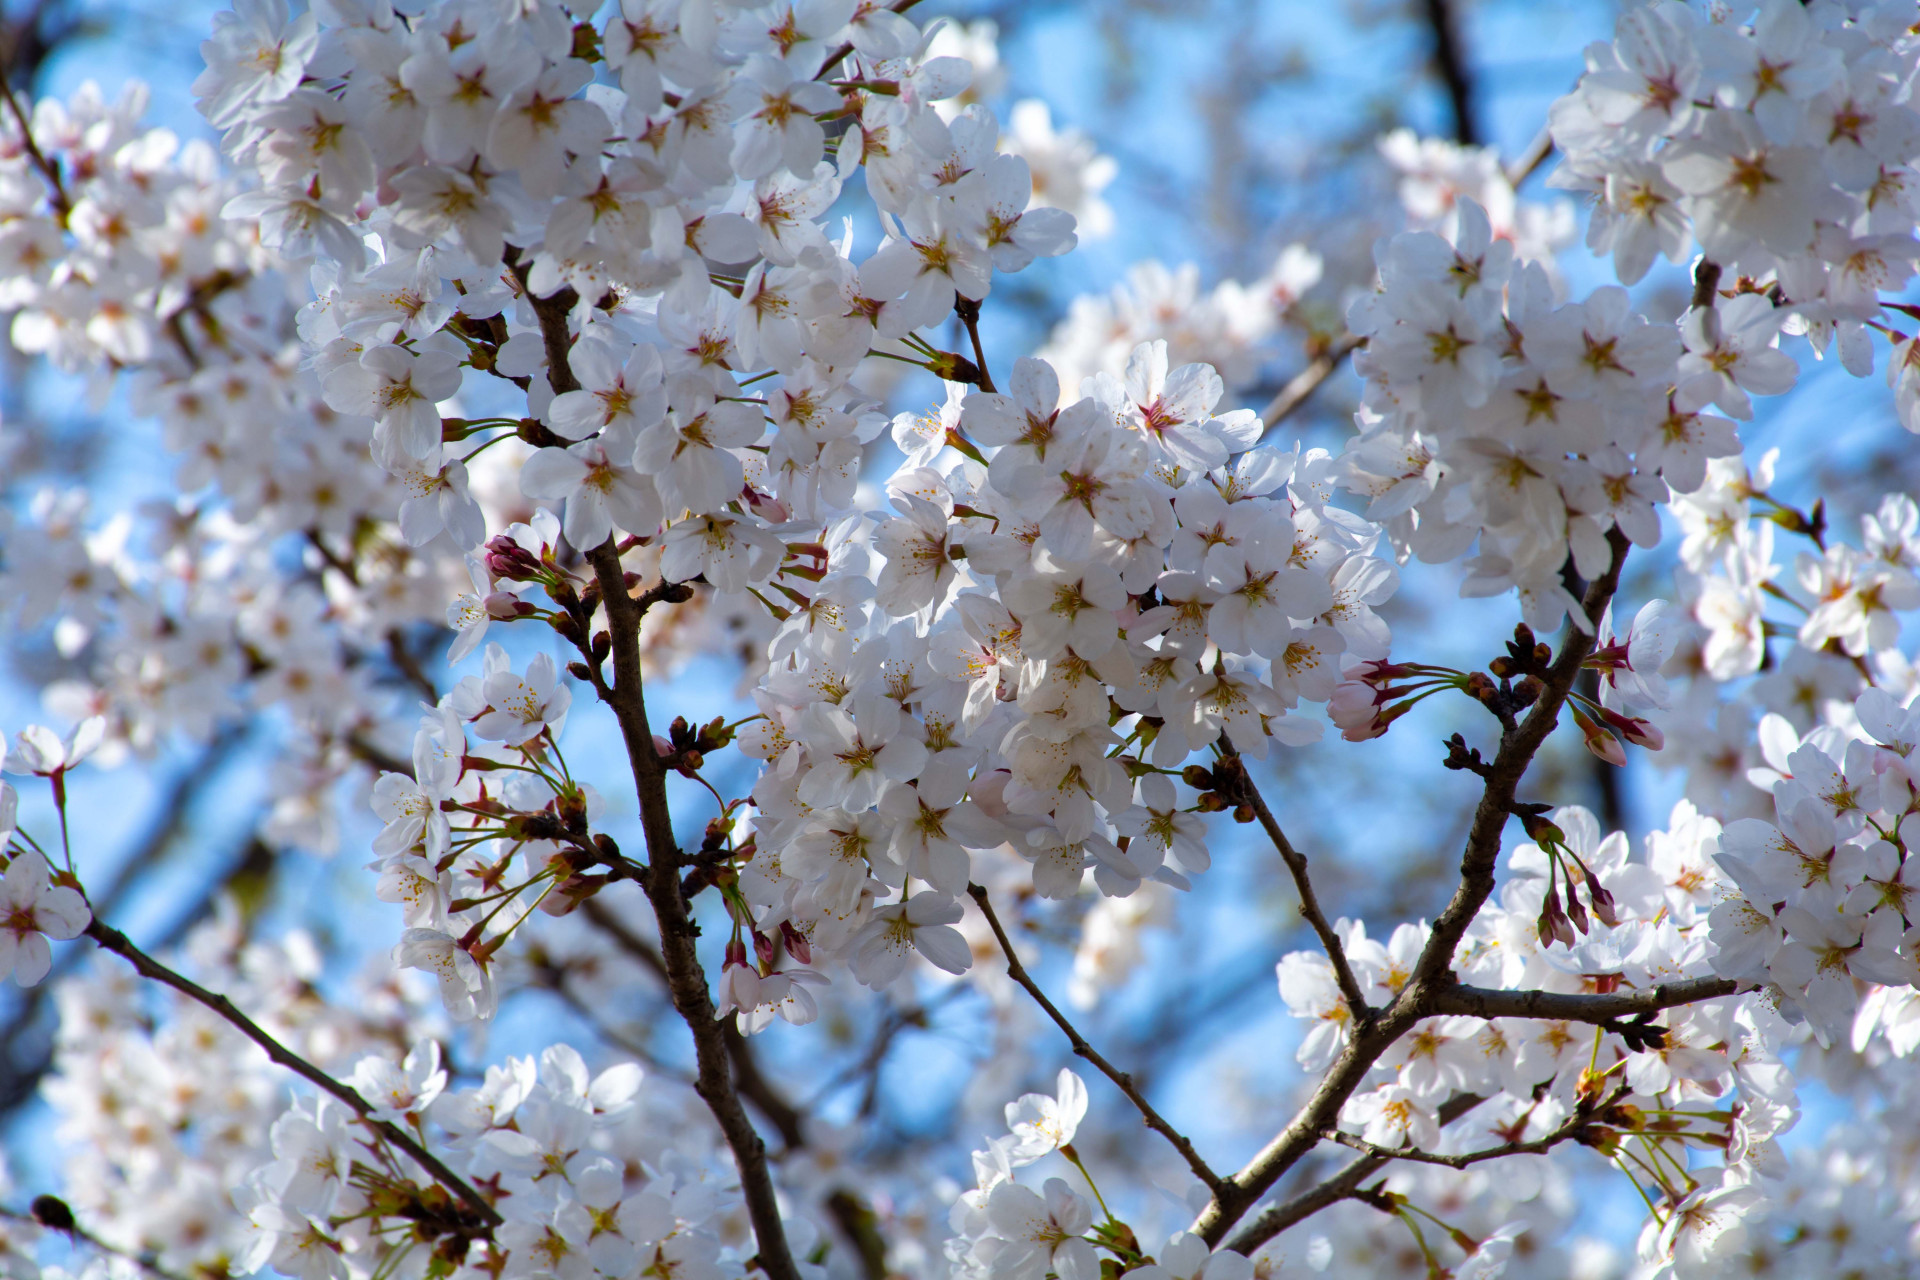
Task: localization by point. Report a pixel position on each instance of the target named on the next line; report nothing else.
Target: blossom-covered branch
(111, 939)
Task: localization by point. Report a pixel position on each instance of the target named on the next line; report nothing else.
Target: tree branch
(1121, 1079)
(1575, 1126)
(1706, 281)
(75, 1231)
(113, 940)
(1236, 769)
(680, 958)
(1510, 764)
(851, 1212)
(1531, 159)
(1303, 384)
(686, 979)
(56, 190)
(1449, 59)
(1433, 971)
(969, 312)
(1555, 1006)
(1342, 1185)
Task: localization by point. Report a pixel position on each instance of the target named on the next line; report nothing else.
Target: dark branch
(75, 1231)
(1341, 1186)
(1578, 1126)
(113, 940)
(1234, 770)
(1433, 972)
(1484, 1002)
(1155, 1121)
(1449, 59)
(686, 978)
(1302, 385)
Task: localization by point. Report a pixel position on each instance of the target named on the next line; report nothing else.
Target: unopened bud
(797, 945)
(1639, 732)
(1602, 901)
(504, 606)
(767, 507)
(1576, 913)
(1599, 741)
(52, 1213)
(507, 559)
(1541, 831)
(1378, 671)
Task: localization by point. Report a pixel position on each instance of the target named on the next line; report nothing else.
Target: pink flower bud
(503, 606)
(766, 506)
(1378, 671)
(508, 559)
(1602, 901)
(1600, 742)
(1352, 708)
(1635, 730)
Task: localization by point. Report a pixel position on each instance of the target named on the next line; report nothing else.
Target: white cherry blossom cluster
(1065, 604)
(160, 1117)
(1822, 894)
(592, 1181)
(1782, 146)
(595, 300)
(1498, 423)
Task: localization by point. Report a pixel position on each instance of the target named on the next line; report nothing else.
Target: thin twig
(57, 191)
(1235, 769)
(1302, 385)
(1277, 1218)
(969, 312)
(1531, 159)
(409, 666)
(1575, 1126)
(1155, 1121)
(113, 940)
(184, 790)
(833, 59)
(143, 1260)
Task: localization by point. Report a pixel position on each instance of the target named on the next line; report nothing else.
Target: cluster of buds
(1222, 787)
(684, 749)
(1558, 922)
(437, 1217)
